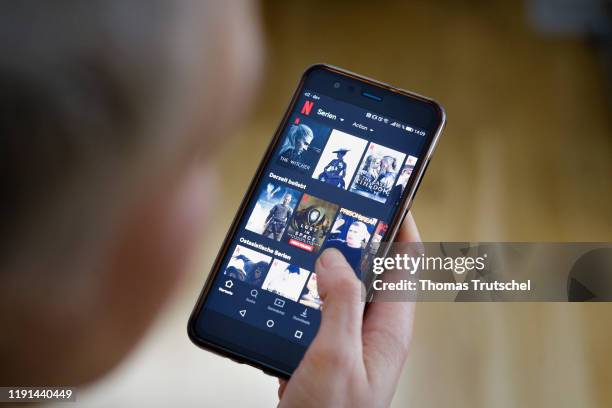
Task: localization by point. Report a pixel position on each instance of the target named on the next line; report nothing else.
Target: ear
(151, 252)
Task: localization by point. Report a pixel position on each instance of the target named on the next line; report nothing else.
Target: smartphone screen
(337, 175)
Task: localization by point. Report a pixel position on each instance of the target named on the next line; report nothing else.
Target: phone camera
(336, 85)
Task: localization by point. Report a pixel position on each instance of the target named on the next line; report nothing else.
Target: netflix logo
(307, 107)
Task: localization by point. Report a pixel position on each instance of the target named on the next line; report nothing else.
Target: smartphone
(341, 171)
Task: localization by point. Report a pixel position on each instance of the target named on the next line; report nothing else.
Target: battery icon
(408, 128)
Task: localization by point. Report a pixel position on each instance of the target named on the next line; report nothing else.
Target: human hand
(354, 360)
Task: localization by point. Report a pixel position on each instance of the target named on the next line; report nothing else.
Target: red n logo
(307, 107)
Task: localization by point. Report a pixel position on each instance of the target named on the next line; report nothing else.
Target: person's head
(259, 269)
(372, 163)
(341, 153)
(108, 109)
(287, 199)
(303, 137)
(387, 163)
(357, 235)
(404, 175)
(407, 170)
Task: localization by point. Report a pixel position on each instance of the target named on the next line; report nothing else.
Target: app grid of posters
(305, 221)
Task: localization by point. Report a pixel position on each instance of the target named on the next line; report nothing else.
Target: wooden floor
(526, 156)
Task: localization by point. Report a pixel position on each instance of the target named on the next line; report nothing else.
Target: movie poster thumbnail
(310, 297)
(248, 266)
(377, 173)
(310, 224)
(350, 235)
(339, 159)
(302, 145)
(285, 279)
(373, 245)
(273, 210)
(404, 175)
(402, 179)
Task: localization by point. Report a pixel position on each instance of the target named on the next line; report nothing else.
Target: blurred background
(526, 156)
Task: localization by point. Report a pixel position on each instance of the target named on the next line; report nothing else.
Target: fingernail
(331, 258)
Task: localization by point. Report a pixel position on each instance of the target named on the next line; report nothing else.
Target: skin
(385, 165)
(361, 370)
(374, 166)
(303, 144)
(355, 236)
(403, 177)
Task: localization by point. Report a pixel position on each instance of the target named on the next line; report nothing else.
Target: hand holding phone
(352, 361)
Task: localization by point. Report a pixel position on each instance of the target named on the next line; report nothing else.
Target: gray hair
(89, 90)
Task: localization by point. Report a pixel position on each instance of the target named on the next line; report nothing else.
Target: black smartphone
(341, 171)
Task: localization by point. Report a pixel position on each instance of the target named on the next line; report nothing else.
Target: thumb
(340, 290)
